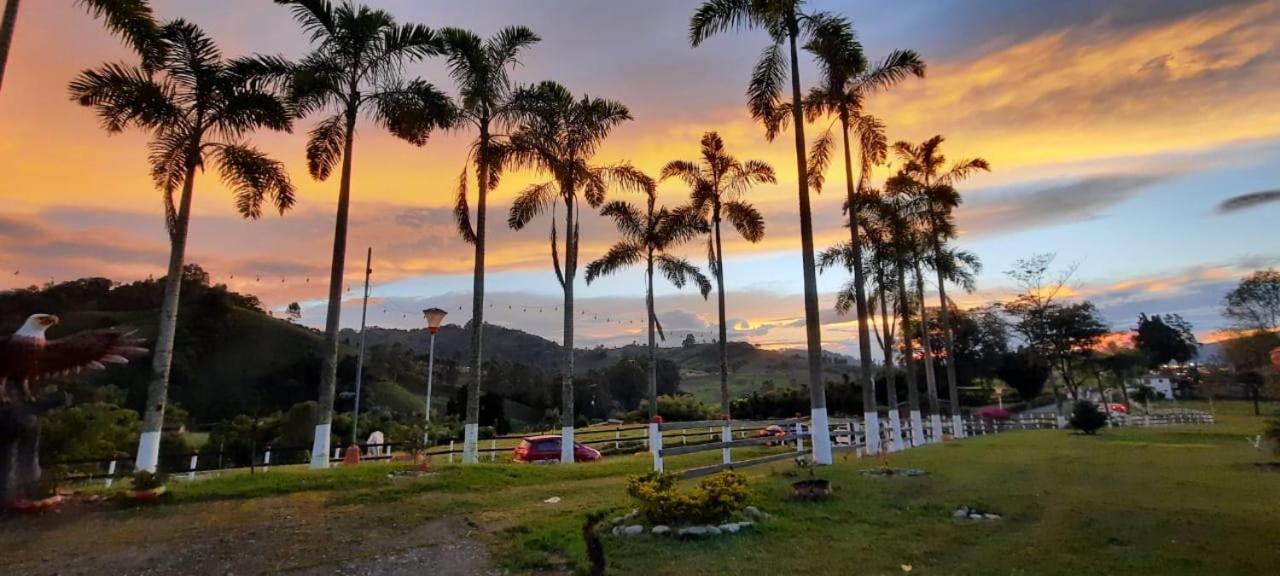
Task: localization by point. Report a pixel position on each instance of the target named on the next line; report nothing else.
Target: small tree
(293, 311)
(1086, 417)
(1164, 339)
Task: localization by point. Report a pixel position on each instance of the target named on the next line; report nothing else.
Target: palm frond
(626, 218)
(254, 178)
(896, 67)
(124, 95)
(819, 159)
(619, 256)
(462, 211)
(134, 22)
(764, 91)
(680, 272)
(745, 219)
(716, 16)
(412, 111)
(531, 202)
(325, 144)
(316, 16)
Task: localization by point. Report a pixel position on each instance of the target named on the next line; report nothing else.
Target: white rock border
(623, 527)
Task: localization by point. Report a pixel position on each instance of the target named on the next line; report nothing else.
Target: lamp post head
(434, 317)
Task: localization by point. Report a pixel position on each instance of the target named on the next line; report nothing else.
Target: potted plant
(146, 486)
(811, 488)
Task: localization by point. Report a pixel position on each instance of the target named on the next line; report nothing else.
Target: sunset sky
(1114, 130)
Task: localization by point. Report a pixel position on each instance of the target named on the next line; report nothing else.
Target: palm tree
(131, 19)
(923, 174)
(846, 82)
(558, 135)
(895, 245)
(196, 109)
(646, 237)
(785, 23)
(479, 67)
(717, 183)
(355, 67)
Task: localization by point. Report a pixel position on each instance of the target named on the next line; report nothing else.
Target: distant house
(1162, 384)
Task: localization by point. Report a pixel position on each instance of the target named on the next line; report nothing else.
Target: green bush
(1086, 417)
(144, 480)
(714, 500)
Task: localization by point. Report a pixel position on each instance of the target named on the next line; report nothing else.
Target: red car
(778, 433)
(545, 448)
(1118, 407)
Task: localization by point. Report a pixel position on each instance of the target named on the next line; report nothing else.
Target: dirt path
(296, 534)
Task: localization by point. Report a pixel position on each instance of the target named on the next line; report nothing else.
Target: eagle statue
(27, 356)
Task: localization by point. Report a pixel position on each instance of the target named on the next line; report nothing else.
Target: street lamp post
(434, 317)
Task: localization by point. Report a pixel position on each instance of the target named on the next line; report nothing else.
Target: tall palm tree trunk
(566, 381)
(6, 34)
(158, 387)
(870, 411)
(953, 390)
(813, 330)
(890, 377)
(471, 431)
(653, 341)
(931, 384)
(725, 401)
(913, 387)
(333, 315)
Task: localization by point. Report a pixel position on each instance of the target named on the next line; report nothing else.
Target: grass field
(1178, 500)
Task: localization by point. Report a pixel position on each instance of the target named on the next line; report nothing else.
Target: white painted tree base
(655, 440)
(957, 426)
(872, 419)
(895, 430)
(935, 421)
(148, 452)
(320, 447)
(470, 439)
(821, 437)
(917, 429)
(566, 445)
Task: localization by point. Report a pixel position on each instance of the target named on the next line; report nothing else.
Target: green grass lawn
(1177, 500)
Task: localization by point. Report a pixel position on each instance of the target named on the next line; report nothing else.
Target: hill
(750, 366)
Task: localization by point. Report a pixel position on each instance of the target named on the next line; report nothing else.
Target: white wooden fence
(850, 434)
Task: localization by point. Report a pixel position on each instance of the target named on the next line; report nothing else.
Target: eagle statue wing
(89, 349)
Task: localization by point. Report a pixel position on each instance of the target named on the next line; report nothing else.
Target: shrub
(1086, 417)
(144, 480)
(714, 500)
(1273, 433)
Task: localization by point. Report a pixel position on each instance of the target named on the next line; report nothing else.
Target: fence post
(451, 451)
(493, 450)
(799, 439)
(191, 473)
(655, 442)
(266, 460)
(617, 434)
(111, 473)
(684, 436)
(726, 435)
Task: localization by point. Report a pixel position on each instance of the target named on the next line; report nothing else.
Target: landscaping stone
(692, 532)
(633, 530)
(991, 516)
(618, 520)
(712, 531)
(756, 513)
(975, 516)
(731, 528)
(660, 530)
(961, 513)
(617, 531)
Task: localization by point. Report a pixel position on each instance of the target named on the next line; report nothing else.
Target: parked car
(778, 433)
(1118, 408)
(994, 413)
(547, 448)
